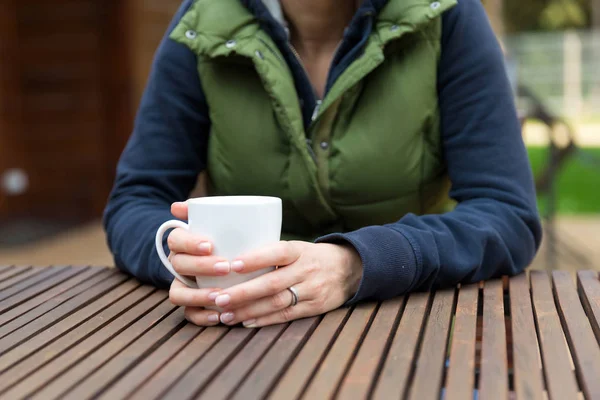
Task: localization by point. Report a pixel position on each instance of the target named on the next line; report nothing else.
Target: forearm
(130, 228)
(479, 240)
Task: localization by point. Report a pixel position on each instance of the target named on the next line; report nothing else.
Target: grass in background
(578, 184)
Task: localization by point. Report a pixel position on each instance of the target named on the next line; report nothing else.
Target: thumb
(180, 210)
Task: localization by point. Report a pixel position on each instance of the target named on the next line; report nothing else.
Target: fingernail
(212, 296)
(222, 300)
(213, 318)
(227, 317)
(222, 267)
(205, 247)
(237, 266)
(251, 323)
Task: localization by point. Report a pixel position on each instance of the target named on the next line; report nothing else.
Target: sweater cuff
(389, 261)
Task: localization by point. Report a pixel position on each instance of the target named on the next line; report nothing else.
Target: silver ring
(294, 293)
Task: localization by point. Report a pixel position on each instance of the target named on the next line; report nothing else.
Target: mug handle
(161, 251)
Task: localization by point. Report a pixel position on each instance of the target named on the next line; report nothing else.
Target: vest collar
(219, 22)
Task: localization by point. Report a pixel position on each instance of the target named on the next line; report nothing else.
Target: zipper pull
(316, 111)
(312, 153)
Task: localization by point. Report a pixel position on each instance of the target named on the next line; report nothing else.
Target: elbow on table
(522, 246)
(533, 240)
(507, 252)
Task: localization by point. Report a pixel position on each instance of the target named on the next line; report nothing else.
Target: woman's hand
(325, 276)
(192, 255)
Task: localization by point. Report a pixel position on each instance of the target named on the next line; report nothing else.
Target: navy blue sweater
(494, 230)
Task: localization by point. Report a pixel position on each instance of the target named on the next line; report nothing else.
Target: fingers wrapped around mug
(266, 285)
(284, 306)
(201, 317)
(191, 265)
(277, 254)
(183, 241)
(181, 295)
(180, 210)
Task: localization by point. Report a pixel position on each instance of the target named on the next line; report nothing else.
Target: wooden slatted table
(79, 333)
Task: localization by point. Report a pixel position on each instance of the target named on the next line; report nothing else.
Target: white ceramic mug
(234, 225)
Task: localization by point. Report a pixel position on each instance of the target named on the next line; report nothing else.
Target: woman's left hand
(325, 276)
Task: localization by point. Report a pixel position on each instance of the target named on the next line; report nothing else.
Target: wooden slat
(560, 379)
(109, 372)
(63, 298)
(460, 380)
(196, 378)
(61, 384)
(367, 363)
(273, 364)
(184, 360)
(589, 287)
(9, 272)
(142, 372)
(427, 383)
(19, 274)
(46, 329)
(527, 369)
(44, 286)
(45, 296)
(62, 353)
(331, 372)
(394, 377)
(493, 383)
(243, 363)
(21, 280)
(292, 384)
(34, 303)
(120, 348)
(583, 344)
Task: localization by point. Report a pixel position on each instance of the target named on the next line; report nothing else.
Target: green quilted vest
(373, 151)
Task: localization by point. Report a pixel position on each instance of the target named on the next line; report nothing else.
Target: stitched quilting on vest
(373, 152)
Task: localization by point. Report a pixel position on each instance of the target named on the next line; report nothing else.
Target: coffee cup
(234, 225)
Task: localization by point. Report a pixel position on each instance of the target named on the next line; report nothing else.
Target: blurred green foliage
(578, 183)
(535, 15)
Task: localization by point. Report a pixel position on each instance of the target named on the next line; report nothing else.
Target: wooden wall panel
(11, 154)
(67, 76)
(61, 71)
(76, 72)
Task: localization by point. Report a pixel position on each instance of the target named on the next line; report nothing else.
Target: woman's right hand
(191, 255)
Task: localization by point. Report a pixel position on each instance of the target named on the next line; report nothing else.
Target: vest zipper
(312, 153)
(297, 56)
(315, 113)
(318, 102)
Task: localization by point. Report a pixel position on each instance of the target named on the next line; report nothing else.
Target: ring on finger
(294, 293)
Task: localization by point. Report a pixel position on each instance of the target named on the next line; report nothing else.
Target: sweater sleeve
(495, 228)
(161, 162)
